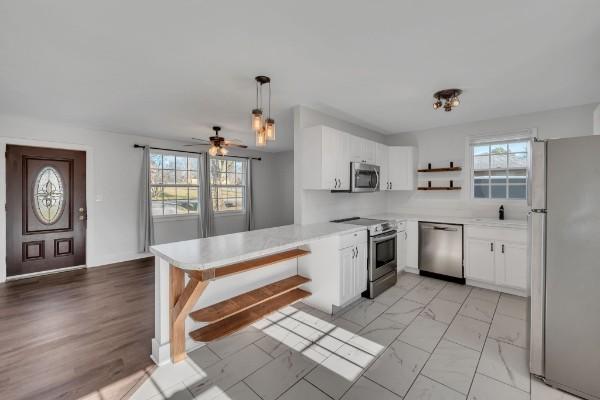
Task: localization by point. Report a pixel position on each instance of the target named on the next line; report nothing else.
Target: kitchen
(299, 200)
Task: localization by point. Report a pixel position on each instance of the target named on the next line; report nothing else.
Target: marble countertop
(221, 250)
(494, 222)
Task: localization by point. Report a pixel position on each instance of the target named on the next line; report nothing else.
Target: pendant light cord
(269, 99)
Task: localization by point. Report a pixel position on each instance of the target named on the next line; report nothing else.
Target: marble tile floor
(426, 340)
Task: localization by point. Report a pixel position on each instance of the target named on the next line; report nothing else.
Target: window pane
(498, 161)
(157, 208)
(481, 162)
(517, 191)
(517, 176)
(481, 150)
(499, 148)
(182, 206)
(192, 163)
(481, 191)
(155, 160)
(181, 163)
(168, 176)
(156, 193)
(182, 177)
(170, 193)
(155, 176)
(182, 193)
(193, 177)
(239, 167)
(499, 177)
(498, 191)
(520, 147)
(193, 203)
(168, 162)
(481, 177)
(170, 207)
(230, 166)
(517, 160)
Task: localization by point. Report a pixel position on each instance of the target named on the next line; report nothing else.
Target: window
(174, 183)
(228, 184)
(500, 170)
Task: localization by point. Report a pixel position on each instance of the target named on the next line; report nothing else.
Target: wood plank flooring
(79, 334)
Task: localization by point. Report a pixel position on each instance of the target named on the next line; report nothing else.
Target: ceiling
(172, 69)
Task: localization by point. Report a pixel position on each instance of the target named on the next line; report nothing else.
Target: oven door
(365, 177)
(382, 254)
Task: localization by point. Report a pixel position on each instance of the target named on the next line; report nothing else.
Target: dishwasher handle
(439, 228)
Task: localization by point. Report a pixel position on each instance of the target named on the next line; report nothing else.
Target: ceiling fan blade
(241, 146)
(197, 144)
(233, 141)
(201, 140)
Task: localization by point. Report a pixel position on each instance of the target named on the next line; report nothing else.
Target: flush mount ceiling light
(264, 128)
(450, 97)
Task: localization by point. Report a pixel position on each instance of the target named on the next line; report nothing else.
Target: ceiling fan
(218, 144)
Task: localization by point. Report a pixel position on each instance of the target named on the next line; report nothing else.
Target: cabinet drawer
(501, 234)
(351, 239)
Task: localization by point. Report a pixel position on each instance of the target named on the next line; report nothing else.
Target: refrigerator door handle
(537, 250)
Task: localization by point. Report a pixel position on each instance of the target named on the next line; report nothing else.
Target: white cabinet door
(381, 159)
(342, 152)
(360, 265)
(480, 260)
(412, 244)
(362, 150)
(401, 250)
(401, 171)
(511, 265)
(330, 163)
(347, 274)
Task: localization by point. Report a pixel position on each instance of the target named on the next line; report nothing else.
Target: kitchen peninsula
(220, 282)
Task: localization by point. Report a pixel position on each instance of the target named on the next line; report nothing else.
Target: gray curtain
(206, 217)
(249, 195)
(145, 222)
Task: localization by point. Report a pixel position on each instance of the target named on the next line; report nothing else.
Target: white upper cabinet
(382, 156)
(362, 150)
(401, 168)
(325, 159)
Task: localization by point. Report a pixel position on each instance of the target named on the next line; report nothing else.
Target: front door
(45, 209)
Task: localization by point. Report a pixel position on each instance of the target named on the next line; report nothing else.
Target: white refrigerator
(564, 222)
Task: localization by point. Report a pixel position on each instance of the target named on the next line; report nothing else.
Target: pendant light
(264, 128)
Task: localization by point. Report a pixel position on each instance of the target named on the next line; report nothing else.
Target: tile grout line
(481, 353)
(396, 339)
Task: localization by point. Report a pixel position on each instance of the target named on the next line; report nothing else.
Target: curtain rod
(140, 146)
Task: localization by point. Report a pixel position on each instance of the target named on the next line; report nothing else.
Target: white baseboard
(118, 258)
(498, 288)
(412, 270)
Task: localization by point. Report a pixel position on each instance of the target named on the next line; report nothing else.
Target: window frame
(176, 217)
(243, 186)
(526, 135)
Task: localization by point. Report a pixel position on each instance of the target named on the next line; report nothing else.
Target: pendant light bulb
(257, 121)
(261, 138)
(224, 151)
(213, 151)
(270, 129)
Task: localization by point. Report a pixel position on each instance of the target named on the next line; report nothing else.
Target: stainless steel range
(382, 257)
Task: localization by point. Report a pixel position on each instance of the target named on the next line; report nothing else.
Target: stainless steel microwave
(364, 177)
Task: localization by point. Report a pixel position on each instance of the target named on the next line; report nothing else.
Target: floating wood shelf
(440, 169)
(243, 266)
(247, 317)
(440, 188)
(244, 301)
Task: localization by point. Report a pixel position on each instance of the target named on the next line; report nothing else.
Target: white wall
(597, 120)
(115, 168)
(441, 145)
(320, 205)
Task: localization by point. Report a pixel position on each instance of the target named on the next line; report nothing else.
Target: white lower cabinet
(353, 271)
(412, 244)
(497, 256)
(401, 250)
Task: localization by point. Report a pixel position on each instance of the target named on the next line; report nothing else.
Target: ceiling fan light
(223, 151)
(261, 138)
(437, 105)
(270, 129)
(454, 102)
(213, 151)
(257, 121)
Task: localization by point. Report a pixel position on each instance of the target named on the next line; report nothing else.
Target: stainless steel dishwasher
(441, 250)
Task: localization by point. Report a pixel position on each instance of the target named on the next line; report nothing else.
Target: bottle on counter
(501, 213)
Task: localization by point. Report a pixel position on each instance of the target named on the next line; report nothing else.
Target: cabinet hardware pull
(502, 248)
(405, 236)
(492, 246)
